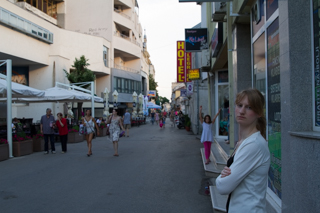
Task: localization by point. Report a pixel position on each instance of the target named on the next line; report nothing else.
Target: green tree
(79, 74)
(163, 100)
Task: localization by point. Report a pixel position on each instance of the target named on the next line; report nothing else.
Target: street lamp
(140, 103)
(134, 98)
(106, 101)
(115, 98)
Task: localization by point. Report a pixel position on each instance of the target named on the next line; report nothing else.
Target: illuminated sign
(181, 69)
(196, 39)
(188, 65)
(194, 74)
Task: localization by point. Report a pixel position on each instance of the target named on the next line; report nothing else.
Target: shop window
(272, 6)
(223, 96)
(259, 64)
(105, 56)
(274, 107)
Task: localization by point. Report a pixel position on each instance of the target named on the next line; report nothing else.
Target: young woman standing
(114, 129)
(207, 136)
(89, 122)
(246, 175)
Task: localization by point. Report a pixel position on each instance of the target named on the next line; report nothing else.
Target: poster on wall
(181, 69)
(196, 39)
(20, 75)
(274, 108)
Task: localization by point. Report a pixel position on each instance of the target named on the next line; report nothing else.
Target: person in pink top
(207, 136)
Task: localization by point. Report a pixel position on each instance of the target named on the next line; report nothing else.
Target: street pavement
(158, 170)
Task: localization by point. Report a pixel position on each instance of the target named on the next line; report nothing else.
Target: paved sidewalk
(158, 170)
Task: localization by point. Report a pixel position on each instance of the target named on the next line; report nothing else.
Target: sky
(164, 22)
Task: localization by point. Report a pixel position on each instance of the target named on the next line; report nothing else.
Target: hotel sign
(181, 69)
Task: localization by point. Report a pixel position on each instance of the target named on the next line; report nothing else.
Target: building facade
(44, 37)
(273, 46)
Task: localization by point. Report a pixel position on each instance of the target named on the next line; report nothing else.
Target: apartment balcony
(126, 46)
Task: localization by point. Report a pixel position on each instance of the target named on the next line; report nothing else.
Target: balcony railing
(121, 13)
(117, 66)
(127, 38)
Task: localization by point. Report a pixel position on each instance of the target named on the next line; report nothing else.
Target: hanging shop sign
(152, 93)
(181, 69)
(196, 39)
(217, 39)
(183, 93)
(188, 65)
(194, 74)
(189, 88)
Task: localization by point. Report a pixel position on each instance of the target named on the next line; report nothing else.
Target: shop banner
(196, 39)
(181, 69)
(188, 65)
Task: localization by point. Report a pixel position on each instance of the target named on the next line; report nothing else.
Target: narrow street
(158, 170)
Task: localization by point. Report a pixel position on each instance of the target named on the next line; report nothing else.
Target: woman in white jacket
(245, 177)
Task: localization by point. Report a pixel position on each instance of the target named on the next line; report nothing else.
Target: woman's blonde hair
(256, 102)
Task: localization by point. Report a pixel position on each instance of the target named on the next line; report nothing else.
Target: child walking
(207, 137)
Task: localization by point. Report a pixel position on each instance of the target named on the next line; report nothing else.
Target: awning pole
(92, 99)
(9, 106)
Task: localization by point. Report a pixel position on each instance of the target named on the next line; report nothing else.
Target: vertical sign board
(274, 108)
(181, 69)
(188, 65)
(316, 61)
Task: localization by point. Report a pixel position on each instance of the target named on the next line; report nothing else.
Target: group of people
(48, 124)
(159, 118)
(245, 177)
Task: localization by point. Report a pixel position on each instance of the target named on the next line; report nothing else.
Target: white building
(42, 38)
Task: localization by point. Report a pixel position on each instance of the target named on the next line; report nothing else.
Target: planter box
(103, 132)
(74, 137)
(4, 152)
(22, 148)
(38, 144)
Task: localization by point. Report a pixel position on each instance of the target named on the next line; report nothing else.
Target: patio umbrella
(151, 105)
(19, 90)
(59, 94)
(145, 109)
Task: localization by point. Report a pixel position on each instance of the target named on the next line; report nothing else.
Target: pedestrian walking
(47, 123)
(127, 122)
(207, 136)
(115, 124)
(89, 122)
(157, 118)
(173, 124)
(152, 114)
(164, 117)
(62, 125)
(246, 175)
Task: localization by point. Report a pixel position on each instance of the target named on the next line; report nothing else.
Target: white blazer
(249, 176)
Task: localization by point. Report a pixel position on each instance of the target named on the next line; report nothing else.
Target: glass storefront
(266, 78)
(223, 103)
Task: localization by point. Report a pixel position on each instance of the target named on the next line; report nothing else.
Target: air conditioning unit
(219, 10)
(205, 60)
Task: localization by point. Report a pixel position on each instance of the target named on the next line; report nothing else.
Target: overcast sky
(165, 21)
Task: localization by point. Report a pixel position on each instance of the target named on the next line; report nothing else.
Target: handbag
(82, 130)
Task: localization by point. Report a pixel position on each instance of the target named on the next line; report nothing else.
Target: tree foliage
(163, 100)
(80, 73)
(152, 83)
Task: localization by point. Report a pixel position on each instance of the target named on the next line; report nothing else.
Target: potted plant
(4, 149)
(38, 142)
(102, 130)
(21, 144)
(188, 125)
(73, 135)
